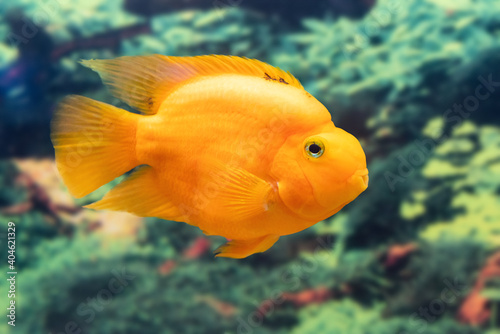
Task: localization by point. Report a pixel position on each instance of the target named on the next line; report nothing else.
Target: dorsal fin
(143, 82)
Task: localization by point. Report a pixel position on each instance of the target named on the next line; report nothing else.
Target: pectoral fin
(239, 193)
(239, 249)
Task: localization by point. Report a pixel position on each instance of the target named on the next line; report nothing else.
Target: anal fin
(239, 249)
(139, 194)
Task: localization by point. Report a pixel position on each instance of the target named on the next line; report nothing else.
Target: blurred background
(417, 81)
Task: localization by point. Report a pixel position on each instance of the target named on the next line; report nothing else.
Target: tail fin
(94, 143)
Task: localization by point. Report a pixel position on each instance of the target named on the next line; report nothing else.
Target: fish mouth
(361, 172)
(359, 182)
(365, 180)
(360, 178)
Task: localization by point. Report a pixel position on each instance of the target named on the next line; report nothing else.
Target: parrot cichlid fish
(231, 145)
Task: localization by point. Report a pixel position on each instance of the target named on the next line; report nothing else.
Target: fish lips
(351, 188)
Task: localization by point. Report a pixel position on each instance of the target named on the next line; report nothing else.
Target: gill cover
(320, 173)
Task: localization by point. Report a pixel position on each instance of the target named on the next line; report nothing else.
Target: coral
(398, 253)
(476, 308)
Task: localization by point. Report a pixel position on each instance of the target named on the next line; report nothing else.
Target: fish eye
(315, 148)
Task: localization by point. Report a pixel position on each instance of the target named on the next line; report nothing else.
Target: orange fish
(231, 145)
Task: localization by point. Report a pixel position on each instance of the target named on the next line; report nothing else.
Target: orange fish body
(231, 145)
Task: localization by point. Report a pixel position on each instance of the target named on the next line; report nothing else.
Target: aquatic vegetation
(392, 67)
(347, 316)
(7, 54)
(63, 18)
(467, 165)
(218, 31)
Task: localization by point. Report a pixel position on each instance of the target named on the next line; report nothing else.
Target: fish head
(319, 173)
